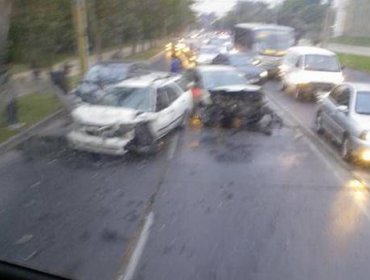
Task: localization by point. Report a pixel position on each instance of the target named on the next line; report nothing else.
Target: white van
(310, 72)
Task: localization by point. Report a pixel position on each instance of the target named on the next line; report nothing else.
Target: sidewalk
(348, 49)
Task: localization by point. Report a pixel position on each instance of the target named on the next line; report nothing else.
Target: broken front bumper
(112, 146)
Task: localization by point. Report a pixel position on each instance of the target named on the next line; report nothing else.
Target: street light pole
(81, 30)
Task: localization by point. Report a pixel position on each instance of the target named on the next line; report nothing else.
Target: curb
(29, 132)
(319, 143)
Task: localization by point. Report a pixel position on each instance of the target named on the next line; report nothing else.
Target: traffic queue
(213, 79)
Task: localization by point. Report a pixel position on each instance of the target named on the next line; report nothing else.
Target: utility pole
(81, 30)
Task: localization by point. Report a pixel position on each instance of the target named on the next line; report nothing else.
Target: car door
(176, 105)
(340, 117)
(162, 122)
(329, 110)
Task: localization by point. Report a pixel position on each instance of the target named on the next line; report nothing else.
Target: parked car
(206, 54)
(246, 63)
(105, 74)
(345, 116)
(131, 115)
(310, 71)
(223, 94)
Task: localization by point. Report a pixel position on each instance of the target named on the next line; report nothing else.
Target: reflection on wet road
(227, 204)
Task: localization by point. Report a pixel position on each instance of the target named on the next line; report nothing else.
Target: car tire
(345, 149)
(318, 123)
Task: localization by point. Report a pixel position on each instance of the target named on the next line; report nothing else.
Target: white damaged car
(131, 115)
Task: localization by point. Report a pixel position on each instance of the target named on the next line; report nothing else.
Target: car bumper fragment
(111, 146)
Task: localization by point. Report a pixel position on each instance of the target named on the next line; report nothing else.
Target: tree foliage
(43, 29)
(306, 16)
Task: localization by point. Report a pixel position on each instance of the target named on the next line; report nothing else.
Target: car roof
(310, 50)
(153, 78)
(257, 26)
(359, 86)
(210, 68)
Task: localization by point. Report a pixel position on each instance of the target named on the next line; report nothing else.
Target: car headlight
(264, 74)
(365, 135)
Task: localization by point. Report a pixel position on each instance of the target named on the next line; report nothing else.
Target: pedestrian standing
(176, 65)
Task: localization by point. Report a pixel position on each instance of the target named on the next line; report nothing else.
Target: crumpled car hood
(236, 88)
(250, 70)
(103, 115)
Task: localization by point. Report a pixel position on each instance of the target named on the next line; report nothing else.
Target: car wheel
(345, 149)
(318, 124)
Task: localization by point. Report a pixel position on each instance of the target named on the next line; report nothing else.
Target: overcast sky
(220, 6)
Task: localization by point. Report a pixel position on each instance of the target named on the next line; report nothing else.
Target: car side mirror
(343, 109)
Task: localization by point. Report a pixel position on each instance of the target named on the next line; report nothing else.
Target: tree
(5, 9)
(247, 11)
(305, 16)
(43, 29)
(40, 30)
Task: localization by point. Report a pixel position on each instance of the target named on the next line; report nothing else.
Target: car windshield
(209, 50)
(222, 78)
(106, 73)
(137, 98)
(316, 62)
(219, 41)
(363, 102)
(240, 60)
(273, 40)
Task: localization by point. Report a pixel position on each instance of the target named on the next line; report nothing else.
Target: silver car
(345, 116)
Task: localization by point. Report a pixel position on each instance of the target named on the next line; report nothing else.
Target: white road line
(173, 147)
(135, 258)
(331, 162)
(314, 148)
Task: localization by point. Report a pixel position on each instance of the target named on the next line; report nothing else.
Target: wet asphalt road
(227, 204)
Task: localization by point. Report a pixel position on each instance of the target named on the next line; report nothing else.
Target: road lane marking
(173, 147)
(310, 137)
(139, 249)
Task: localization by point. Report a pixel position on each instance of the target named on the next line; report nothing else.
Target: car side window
(171, 93)
(299, 62)
(182, 83)
(162, 101)
(344, 97)
(292, 59)
(340, 96)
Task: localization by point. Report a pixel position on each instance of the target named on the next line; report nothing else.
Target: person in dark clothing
(176, 65)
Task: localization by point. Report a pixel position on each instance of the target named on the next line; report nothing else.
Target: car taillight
(196, 92)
